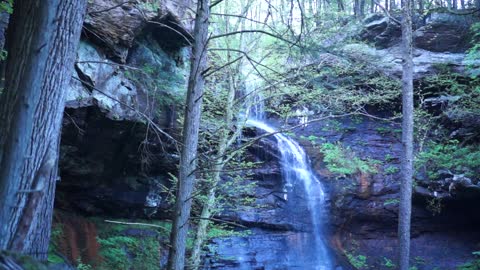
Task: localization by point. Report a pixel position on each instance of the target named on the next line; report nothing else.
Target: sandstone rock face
(363, 208)
(445, 32)
(435, 32)
(116, 23)
(124, 73)
(440, 40)
(426, 62)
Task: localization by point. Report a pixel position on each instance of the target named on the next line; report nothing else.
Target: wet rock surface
(262, 249)
(363, 210)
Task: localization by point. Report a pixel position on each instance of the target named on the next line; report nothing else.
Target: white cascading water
(295, 167)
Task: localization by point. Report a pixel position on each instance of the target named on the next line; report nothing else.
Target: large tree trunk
(407, 139)
(42, 41)
(186, 179)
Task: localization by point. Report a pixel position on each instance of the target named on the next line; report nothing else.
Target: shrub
(449, 156)
(342, 160)
(358, 261)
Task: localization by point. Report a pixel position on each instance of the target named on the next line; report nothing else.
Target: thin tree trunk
(224, 141)
(407, 140)
(462, 4)
(204, 222)
(362, 8)
(186, 180)
(42, 41)
(341, 5)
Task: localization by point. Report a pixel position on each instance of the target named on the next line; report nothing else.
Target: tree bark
(356, 8)
(186, 179)
(341, 5)
(42, 41)
(407, 139)
(224, 142)
(362, 8)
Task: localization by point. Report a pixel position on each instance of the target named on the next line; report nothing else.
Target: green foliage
(114, 252)
(459, 97)
(472, 265)
(123, 252)
(391, 169)
(312, 139)
(56, 235)
(7, 6)
(150, 6)
(358, 261)
(434, 205)
(450, 156)
(83, 266)
(388, 263)
(342, 160)
(473, 54)
(223, 230)
(389, 157)
(334, 88)
(3, 55)
(391, 202)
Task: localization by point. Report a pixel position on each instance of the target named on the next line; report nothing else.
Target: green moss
(124, 252)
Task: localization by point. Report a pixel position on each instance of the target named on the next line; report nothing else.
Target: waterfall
(295, 168)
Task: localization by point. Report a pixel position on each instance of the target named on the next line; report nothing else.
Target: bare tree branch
(254, 31)
(112, 7)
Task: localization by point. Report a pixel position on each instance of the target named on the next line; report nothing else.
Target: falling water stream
(295, 168)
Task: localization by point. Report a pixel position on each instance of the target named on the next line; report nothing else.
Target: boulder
(445, 32)
(436, 32)
(101, 82)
